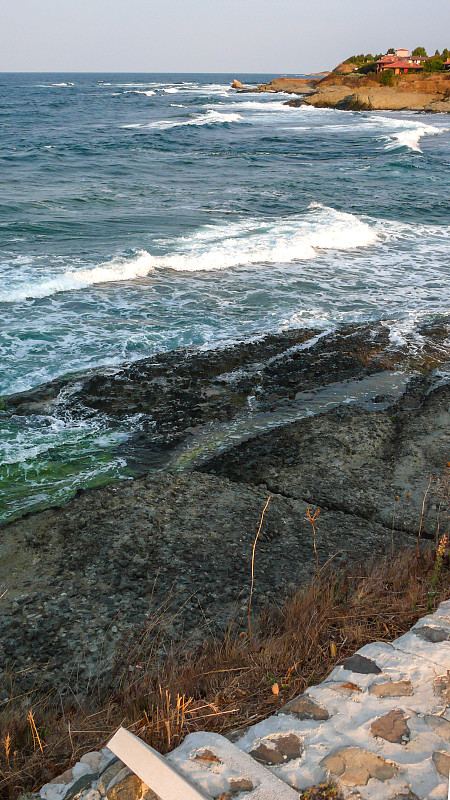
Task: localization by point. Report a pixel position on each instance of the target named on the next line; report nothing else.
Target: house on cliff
(400, 62)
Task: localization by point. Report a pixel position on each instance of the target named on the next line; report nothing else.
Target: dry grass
(222, 685)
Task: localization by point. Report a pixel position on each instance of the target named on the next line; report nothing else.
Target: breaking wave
(148, 92)
(210, 118)
(218, 247)
(411, 134)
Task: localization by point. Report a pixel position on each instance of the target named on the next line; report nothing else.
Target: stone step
(226, 771)
(204, 767)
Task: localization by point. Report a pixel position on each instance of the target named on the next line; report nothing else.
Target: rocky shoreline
(346, 421)
(353, 92)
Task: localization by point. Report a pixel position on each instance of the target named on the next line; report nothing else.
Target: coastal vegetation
(387, 78)
(365, 64)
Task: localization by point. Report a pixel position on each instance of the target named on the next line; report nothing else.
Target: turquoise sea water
(141, 213)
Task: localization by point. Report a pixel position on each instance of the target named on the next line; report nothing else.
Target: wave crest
(221, 246)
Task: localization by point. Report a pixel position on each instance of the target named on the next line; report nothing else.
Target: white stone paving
(294, 753)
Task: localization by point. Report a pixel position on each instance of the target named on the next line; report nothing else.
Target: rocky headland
(355, 92)
(347, 421)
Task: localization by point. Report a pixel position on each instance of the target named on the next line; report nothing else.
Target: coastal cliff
(430, 93)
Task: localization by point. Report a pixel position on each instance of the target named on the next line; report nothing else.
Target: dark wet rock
(355, 459)
(361, 664)
(85, 580)
(434, 635)
(116, 554)
(178, 391)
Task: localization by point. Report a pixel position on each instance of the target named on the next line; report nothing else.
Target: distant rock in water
(237, 84)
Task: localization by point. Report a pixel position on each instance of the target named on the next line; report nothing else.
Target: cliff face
(365, 93)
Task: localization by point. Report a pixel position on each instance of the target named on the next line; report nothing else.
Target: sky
(233, 36)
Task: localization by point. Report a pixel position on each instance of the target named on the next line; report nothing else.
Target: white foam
(217, 247)
(411, 138)
(171, 90)
(255, 242)
(119, 269)
(210, 118)
(256, 105)
(147, 92)
(406, 132)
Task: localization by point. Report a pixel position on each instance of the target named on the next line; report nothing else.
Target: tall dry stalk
(312, 519)
(253, 571)
(419, 535)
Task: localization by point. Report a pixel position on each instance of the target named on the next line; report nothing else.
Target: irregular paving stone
(392, 727)
(441, 687)
(354, 766)
(240, 785)
(130, 788)
(391, 689)
(361, 664)
(207, 756)
(66, 777)
(278, 750)
(442, 762)
(440, 726)
(92, 759)
(267, 755)
(108, 775)
(304, 707)
(347, 688)
(85, 782)
(433, 635)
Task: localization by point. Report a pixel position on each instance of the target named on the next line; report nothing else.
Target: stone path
(378, 727)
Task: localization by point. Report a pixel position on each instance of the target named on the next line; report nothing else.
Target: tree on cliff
(434, 64)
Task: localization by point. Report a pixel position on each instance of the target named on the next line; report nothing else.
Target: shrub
(387, 78)
(366, 68)
(433, 65)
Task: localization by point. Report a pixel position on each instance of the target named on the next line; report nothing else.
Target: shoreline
(87, 575)
(430, 94)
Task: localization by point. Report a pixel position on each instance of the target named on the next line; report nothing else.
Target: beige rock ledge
(377, 98)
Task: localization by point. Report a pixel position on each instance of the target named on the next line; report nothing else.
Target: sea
(141, 213)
